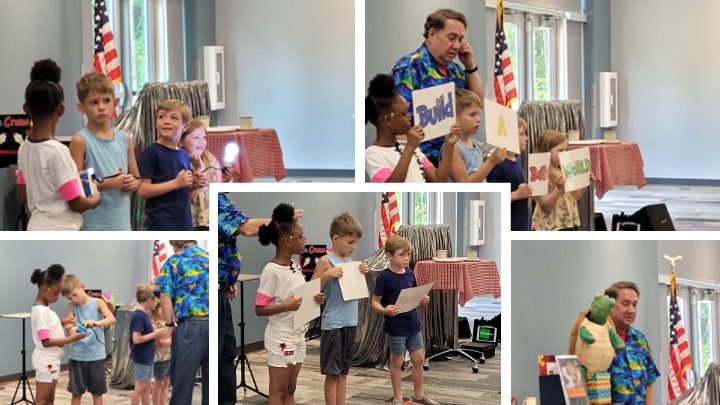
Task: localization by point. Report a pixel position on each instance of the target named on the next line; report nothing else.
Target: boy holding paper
(403, 329)
(340, 316)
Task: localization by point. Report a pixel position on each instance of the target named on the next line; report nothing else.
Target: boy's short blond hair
(169, 105)
(344, 224)
(94, 81)
(144, 292)
(397, 243)
(71, 283)
(522, 123)
(465, 98)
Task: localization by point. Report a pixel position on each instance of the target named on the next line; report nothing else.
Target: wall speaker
(608, 99)
(214, 74)
(477, 223)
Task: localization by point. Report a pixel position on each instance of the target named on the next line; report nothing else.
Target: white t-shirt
(380, 161)
(51, 179)
(277, 285)
(45, 324)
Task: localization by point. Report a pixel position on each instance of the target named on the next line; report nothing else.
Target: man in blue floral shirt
(183, 287)
(433, 64)
(633, 370)
(231, 223)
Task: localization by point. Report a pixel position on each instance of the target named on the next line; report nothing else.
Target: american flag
(679, 348)
(505, 92)
(158, 258)
(106, 57)
(389, 218)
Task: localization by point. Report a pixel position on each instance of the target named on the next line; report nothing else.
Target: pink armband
(426, 163)
(70, 190)
(262, 300)
(382, 175)
(44, 334)
(20, 178)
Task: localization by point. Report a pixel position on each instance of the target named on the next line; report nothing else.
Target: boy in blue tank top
(167, 178)
(340, 317)
(87, 356)
(403, 329)
(108, 151)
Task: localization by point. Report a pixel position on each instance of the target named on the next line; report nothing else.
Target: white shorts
(46, 372)
(284, 352)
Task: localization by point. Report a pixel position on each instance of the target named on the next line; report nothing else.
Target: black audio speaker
(600, 224)
(654, 218)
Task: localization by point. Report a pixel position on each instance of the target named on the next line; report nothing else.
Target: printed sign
(309, 309)
(539, 173)
(501, 127)
(434, 109)
(352, 283)
(410, 298)
(575, 165)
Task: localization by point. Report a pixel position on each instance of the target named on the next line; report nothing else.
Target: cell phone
(81, 329)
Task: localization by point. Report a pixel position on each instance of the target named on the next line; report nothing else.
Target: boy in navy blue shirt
(167, 178)
(142, 343)
(403, 329)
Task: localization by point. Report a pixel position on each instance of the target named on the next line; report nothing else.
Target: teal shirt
(632, 370)
(338, 313)
(184, 278)
(92, 346)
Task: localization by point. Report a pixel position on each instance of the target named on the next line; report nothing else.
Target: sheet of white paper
(353, 284)
(538, 173)
(501, 127)
(410, 298)
(575, 165)
(434, 109)
(309, 309)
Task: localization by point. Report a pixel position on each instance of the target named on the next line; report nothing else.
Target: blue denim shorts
(162, 369)
(398, 344)
(143, 372)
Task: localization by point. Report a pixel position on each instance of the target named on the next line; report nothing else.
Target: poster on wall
(539, 173)
(434, 109)
(13, 131)
(501, 126)
(575, 165)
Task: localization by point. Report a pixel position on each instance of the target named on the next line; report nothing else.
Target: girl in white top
(47, 332)
(390, 160)
(275, 299)
(47, 177)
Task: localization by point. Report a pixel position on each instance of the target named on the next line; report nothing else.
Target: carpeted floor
(449, 382)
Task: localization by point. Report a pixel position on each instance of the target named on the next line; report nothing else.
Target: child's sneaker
(398, 402)
(425, 400)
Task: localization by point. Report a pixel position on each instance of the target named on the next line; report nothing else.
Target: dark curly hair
(381, 97)
(282, 223)
(44, 94)
(50, 276)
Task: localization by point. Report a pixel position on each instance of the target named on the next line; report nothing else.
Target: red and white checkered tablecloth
(260, 153)
(470, 278)
(615, 164)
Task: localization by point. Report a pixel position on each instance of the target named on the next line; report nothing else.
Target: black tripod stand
(242, 360)
(23, 378)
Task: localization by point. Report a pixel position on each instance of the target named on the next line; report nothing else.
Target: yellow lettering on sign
(501, 128)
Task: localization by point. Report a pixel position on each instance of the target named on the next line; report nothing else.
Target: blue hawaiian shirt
(632, 370)
(230, 219)
(185, 279)
(419, 70)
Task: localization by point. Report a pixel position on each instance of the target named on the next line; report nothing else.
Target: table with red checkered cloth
(470, 278)
(260, 153)
(615, 164)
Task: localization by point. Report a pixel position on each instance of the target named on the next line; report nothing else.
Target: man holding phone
(434, 64)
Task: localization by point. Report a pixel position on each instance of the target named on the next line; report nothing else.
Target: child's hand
(391, 310)
(70, 320)
(293, 303)
(414, 137)
(424, 300)
(454, 135)
(523, 191)
(319, 298)
(90, 323)
(196, 161)
(199, 180)
(227, 176)
(363, 268)
(560, 182)
(114, 182)
(498, 156)
(592, 176)
(334, 272)
(130, 182)
(184, 179)
(75, 336)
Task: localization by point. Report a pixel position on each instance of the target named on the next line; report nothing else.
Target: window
(542, 61)
(418, 208)
(147, 27)
(706, 335)
(139, 45)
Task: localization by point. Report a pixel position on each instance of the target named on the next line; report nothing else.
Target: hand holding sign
(434, 109)
(501, 127)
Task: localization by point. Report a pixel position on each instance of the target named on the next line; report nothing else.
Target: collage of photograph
(300, 133)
